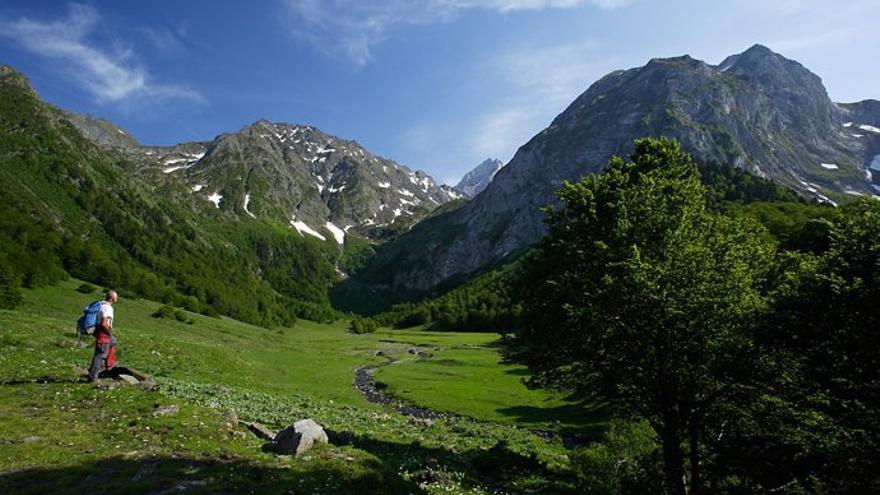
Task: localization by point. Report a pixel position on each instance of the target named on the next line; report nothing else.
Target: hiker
(105, 341)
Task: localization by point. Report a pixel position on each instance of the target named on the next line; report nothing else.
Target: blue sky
(434, 84)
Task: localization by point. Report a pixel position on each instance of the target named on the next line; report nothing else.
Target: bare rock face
(479, 178)
(299, 437)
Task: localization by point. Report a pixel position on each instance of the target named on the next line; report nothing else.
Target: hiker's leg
(111, 357)
(98, 361)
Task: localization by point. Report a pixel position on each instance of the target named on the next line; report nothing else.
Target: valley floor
(59, 434)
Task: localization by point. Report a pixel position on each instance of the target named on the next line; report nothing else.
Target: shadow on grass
(169, 475)
(498, 469)
(581, 418)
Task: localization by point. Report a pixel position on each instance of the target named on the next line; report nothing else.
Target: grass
(468, 376)
(57, 434)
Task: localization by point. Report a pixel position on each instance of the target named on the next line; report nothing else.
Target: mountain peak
(477, 179)
(8, 75)
(759, 59)
(759, 50)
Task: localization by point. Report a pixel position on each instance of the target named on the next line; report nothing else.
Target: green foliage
(726, 184)
(826, 349)
(362, 325)
(86, 288)
(170, 313)
(10, 297)
(485, 303)
(623, 462)
(356, 255)
(641, 287)
(797, 226)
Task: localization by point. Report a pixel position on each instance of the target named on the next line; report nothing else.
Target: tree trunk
(673, 458)
(696, 474)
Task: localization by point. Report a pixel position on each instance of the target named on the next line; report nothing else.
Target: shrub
(169, 313)
(363, 325)
(86, 288)
(624, 462)
(10, 297)
(164, 312)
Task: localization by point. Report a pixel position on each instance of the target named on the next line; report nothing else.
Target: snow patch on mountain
(338, 233)
(247, 201)
(301, 227)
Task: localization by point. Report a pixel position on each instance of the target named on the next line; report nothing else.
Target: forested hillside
(70, 207)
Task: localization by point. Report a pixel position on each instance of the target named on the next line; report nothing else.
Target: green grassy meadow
(60, 432)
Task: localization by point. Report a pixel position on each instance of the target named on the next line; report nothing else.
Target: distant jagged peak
(477, 179)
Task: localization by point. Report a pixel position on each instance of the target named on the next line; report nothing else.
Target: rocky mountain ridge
(757, 111)
(319, 184)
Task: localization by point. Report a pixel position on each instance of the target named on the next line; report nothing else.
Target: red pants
(103, 359)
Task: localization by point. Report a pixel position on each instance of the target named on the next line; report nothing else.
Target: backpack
(89, 320)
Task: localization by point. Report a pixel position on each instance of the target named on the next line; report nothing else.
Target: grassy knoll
(61, 433)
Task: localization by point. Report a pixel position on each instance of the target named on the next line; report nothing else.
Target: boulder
(129, 379)
(299, 437)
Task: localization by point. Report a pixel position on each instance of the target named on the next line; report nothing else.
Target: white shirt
(105, 311)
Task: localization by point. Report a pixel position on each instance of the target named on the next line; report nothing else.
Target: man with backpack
(100, 315)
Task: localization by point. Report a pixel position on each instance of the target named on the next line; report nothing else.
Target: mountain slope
(101, 131)
(319, 184)
(71, 207)
(757, 111)
(477, 179)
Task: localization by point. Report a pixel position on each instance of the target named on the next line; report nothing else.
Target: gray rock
(101, 131)
(259, 430)
(299, 437)
(171, 410)
(129, 379)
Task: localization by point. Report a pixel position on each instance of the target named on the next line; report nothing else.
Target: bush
(10, 297)
(164, 312)
(363, 325)
(86, 288)
(624, 462)
(127, 294)
(169, 313)
(209, 311)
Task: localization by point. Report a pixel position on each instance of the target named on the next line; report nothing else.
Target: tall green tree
(827, 332)
(640, 289)
(9, 295)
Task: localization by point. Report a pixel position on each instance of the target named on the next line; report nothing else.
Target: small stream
(364, 382)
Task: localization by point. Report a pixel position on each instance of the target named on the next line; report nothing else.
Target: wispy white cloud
(110, 75)
(542, 82)
(351, 28)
